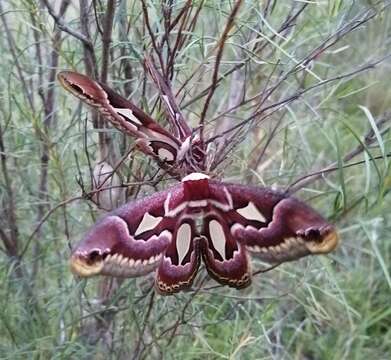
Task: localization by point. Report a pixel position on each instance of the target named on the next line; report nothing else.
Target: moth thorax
(196, 187)
(195, 176)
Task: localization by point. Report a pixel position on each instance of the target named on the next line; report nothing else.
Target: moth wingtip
(79, 267)
(329, 242)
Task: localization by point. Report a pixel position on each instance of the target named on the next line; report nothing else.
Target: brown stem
(105, 138)
(89, 52)
(91, 70)
(49, 116)
(151, 34)
(222, 41)
(10, 241)
(12, 47)
(62, 26)
(106, 38)
(286, 24)
(277, 105)
(175, 116)
(138, 350)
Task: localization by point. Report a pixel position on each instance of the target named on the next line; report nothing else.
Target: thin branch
(298, 94)
(314, 176)
(369, 139)
(12, 48)
(286, 24)
(175, 116)
(106, 38)
(151, 34)
(222, 41)
(11, 242)
(62, 26)
(43, 135)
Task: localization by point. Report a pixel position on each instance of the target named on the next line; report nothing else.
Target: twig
(175, 116)
(151, 34)
(62, 26)
(106, 38)
(286, 24)
(43, 135)
(309, 178)
(89, 52)
(298, 94)
(137, 351)
(11, 44)
(222, 41)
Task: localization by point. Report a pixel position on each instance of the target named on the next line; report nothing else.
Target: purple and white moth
(200, 218)
(170, 231)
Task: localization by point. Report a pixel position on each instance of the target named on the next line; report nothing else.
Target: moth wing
(272, 225)
(128, 242)
(226, 259)
(124, 115)
(181, 260)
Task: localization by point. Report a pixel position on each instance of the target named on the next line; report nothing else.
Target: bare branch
(369, 139)
(152, 35)
(106, 38)
(177, 120)
(12, 47)
(62, 26)
(11, 242)
(222, 41)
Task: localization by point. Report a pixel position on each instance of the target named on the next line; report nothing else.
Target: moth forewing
(129, 241)
(123, 115)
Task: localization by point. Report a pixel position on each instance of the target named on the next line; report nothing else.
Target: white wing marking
(183, 240)
(250, 212)
(128, 114)
(218, 237)
(165, 154)
(148, 222)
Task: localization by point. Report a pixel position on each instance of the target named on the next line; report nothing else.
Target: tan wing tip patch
(113, 265)
(80, 268)
(328, 244)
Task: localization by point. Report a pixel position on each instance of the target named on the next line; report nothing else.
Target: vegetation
(297, 96)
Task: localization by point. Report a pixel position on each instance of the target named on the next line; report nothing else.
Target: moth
(199, 219)
(170, 231)
(152, 139)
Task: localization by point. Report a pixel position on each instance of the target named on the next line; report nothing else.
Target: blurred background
(298, 97)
